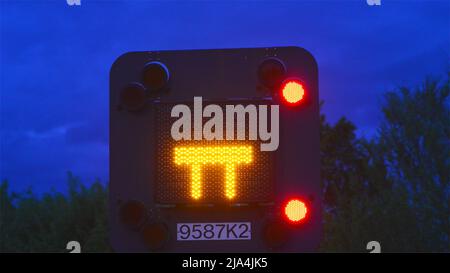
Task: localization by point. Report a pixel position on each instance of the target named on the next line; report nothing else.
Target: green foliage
(393, 189)
(46, 224)
(415, 140)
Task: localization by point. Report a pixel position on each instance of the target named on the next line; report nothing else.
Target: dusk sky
(55, 61)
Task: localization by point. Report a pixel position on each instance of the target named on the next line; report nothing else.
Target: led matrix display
(227, 156)
(202, 171)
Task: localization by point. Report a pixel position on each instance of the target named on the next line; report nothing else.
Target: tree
(415, 141)
(47, 223)
(393, 188)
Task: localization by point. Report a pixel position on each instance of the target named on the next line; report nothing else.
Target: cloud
(91, 132)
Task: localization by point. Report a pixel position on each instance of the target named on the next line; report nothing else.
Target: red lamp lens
(133, 97)
(271, 73)
(155, 235)
(292, 92)
(155, 76)
(295, 211)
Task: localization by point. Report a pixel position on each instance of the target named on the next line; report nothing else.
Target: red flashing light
(295, 211)
(292, 92)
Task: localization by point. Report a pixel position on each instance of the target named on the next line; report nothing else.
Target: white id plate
(214, 231)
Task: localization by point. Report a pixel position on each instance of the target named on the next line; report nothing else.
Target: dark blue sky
(55, 61)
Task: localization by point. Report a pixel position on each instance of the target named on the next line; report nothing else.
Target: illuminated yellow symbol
(230, 156)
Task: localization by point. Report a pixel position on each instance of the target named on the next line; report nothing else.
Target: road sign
(215, 151)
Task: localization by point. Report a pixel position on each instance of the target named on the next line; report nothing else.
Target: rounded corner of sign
(120, 59)
(312, 61)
